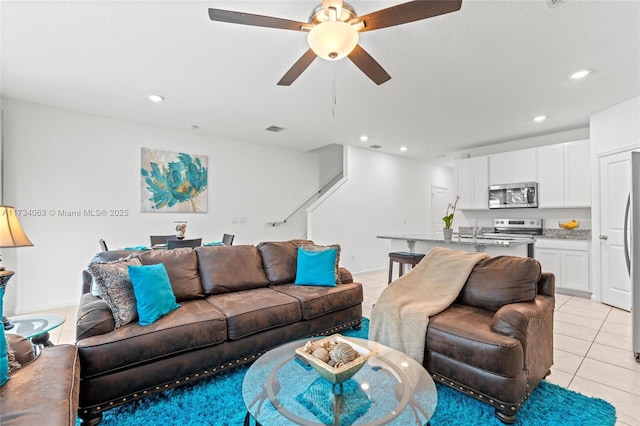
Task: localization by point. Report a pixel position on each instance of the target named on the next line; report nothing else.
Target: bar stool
(403, 258)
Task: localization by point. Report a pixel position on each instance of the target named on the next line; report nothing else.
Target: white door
(439, 202)
(615, 184)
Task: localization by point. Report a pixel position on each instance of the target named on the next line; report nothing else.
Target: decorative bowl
(569, 224)
(342, 373)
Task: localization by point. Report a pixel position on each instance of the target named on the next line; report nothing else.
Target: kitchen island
(422, 243)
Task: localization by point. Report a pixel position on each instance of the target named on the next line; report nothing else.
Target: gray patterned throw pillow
(115, 288)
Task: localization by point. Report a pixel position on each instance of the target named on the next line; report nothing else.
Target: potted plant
(448, 219)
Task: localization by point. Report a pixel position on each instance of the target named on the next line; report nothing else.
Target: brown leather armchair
(495, 343)
(44, 391)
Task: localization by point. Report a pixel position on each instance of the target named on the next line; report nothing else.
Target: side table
(36, 327)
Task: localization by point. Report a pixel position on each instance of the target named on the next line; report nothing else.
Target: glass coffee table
(36, 328)
(391, 388)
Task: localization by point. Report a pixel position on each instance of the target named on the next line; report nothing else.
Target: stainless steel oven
(517, 229)
(513, 195)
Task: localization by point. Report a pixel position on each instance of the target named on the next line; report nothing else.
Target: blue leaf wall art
(173, 182)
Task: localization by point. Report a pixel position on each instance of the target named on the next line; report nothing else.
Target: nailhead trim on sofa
(201, 375)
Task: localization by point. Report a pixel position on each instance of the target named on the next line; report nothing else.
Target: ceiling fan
(334, 28)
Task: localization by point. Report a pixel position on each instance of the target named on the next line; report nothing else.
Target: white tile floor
(592, 347)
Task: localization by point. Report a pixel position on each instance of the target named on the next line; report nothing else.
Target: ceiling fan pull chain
(333, 106)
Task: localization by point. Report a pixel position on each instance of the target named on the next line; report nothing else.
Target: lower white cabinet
(568, 260)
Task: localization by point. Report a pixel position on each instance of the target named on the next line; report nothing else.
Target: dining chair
(227, 239)
(103, 245)
(195, 242)
(161, 239)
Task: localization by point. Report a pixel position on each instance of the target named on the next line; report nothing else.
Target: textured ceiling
(459, 81)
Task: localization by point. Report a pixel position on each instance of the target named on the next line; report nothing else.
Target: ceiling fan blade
(406, 12)
(255, 20)
(297, 68)
(368, 65)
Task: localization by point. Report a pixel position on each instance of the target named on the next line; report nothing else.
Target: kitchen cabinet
(472, 176)
(564, 178)
(513, 167)
(569, 261)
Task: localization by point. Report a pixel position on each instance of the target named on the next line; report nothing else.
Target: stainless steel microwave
(513, 195)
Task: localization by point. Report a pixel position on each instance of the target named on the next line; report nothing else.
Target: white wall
(616, 128)
(56, 159)
(382, 195)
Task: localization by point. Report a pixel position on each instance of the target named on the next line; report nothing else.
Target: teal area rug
(218, 401)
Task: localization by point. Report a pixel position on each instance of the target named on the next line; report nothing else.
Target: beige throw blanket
(400, 317)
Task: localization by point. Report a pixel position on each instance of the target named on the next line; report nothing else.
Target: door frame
(435, 216)
(596, 231)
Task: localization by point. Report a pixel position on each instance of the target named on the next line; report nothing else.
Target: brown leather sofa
(44, 391)
(236, 303)
(495, 343)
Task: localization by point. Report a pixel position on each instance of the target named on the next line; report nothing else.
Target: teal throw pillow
(316, 267)
(154, 295)
(4, 362)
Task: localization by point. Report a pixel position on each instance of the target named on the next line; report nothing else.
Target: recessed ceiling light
(156, 98)
(540, 118)
(403, 148)
(364, 138)
(580, 74)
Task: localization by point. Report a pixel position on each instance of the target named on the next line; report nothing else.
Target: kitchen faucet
(475, 229)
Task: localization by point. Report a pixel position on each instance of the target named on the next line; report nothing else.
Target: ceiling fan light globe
(332, 40)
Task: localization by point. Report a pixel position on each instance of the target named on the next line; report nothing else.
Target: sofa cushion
(225, 269)
(195, 325)
(317, 301)
(154, 296)
(501, 280)
(464, 333)
(279, 259)
(252, 311)
(115, 288)
(316, 267)
(182, 267)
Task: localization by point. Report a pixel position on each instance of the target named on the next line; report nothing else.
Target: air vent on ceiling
(274, 129)
(375, 146)
(552, 3)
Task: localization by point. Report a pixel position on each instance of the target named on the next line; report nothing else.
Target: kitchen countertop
(437, 238)
(550, 233)
(566, 234)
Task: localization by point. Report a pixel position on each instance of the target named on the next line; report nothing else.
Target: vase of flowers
(448, 220)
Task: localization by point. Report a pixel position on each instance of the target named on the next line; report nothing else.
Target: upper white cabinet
(564, 175)
(473, 183)
(513, 167)
(577, 174)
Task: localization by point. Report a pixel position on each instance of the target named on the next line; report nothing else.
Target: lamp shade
(333, 40)
(11, 232)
